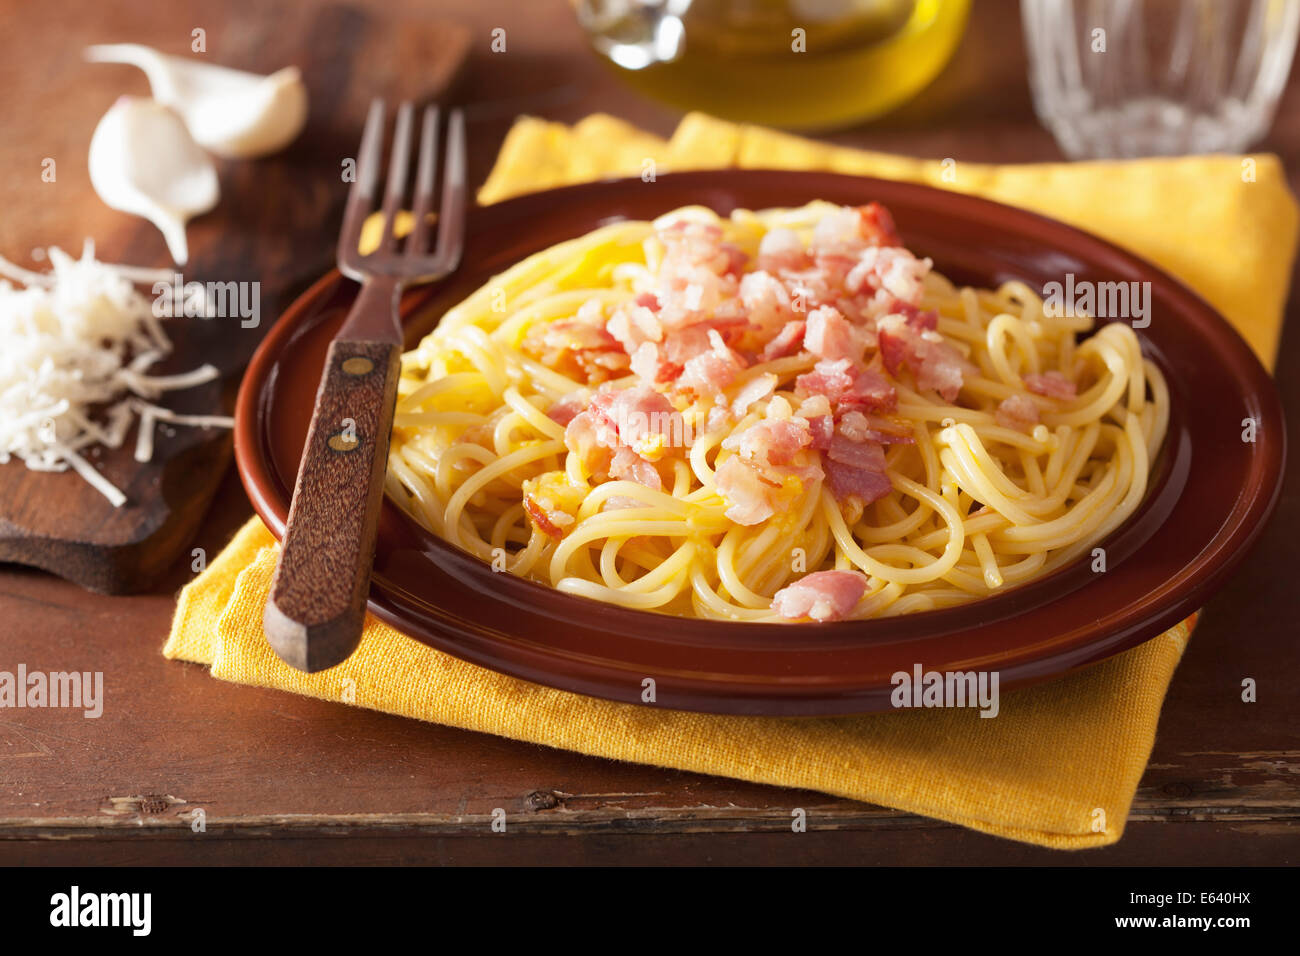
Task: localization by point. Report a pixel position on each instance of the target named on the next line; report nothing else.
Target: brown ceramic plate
(1209, 495)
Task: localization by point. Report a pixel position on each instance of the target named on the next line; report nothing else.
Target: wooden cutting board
(275, 225)
(59, 523)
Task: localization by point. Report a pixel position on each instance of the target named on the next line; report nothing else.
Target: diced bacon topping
(628, 465)
(852, 293)
(877, 225)
(637, 414)
(822, 429)
(856, 469)
(579, 347)
(1018, 412)
(550, 523)
(893, 270)
(1052, 385)
(772, 441)
(764, 467)
(551, 502)
(699, 276)
(940, 367)
(587, 436)
(857, 426)
(830, 336)
(623, 432)
(753, 391)
(848, 231)
(619, 502)
(787, 342)
(567, 408)
(750, 499)
(904, 340)
(821, 596)
(632, 326)
(781, 249)
(710, 372)
(838, 233)
(927, 321)
(766, 301)
(847, 386)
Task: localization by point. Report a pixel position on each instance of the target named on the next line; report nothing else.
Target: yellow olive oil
(798, 64)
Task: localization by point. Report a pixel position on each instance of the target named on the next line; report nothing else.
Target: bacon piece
(567, 408)
(781, 249)
(619, 502)
(848, 387)
(579, 347)
(661, 362)
(822, 428)
(636, 420)
(648, 366)
(787, 342)
(552, 503)
(772, 441)
(876, 224)
(904, 340)
(627, 464)
(708, 373)
(764, 472)
(857, 426)
(753, 391)
(927, 321)
(893, 270)
(830, 336)
(639, 416)
(822, 596)
(586, 436)
(856, 470)
(632, 326)
(1053, 385)
(941, 368)
(699, 275)
(750, 499)
(847, 231)
(766, 301)
(1018, 412)
(542, 518)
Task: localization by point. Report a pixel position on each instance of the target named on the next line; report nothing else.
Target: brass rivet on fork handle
(358, 365)
(317, 603)
(342, 442)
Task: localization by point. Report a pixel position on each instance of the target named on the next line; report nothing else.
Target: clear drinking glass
(1120, 78)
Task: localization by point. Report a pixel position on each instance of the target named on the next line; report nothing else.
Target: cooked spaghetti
(780, 415)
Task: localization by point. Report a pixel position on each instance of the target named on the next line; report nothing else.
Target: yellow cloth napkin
(1060, 764)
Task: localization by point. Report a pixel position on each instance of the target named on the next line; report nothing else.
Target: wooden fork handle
(318, 597)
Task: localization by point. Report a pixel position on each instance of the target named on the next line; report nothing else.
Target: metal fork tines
(317, 604)
(412, 263)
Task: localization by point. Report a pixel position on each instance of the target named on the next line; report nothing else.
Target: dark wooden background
(283, 779)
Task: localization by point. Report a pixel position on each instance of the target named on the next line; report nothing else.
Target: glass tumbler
(1122, 78)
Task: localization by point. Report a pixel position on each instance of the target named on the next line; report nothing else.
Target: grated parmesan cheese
(77, 338)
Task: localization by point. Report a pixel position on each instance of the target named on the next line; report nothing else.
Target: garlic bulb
(229, 112)
(143, 161)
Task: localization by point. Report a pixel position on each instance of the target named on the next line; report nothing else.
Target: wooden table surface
(284, 779)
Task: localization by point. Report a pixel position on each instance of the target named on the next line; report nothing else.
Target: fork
(317, 603)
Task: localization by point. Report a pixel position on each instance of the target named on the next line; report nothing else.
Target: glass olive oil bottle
(798, 64)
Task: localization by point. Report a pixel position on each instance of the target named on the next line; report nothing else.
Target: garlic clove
(143, 161)
(230, 112)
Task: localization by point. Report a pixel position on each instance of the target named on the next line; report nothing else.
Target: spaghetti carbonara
(775, 416)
